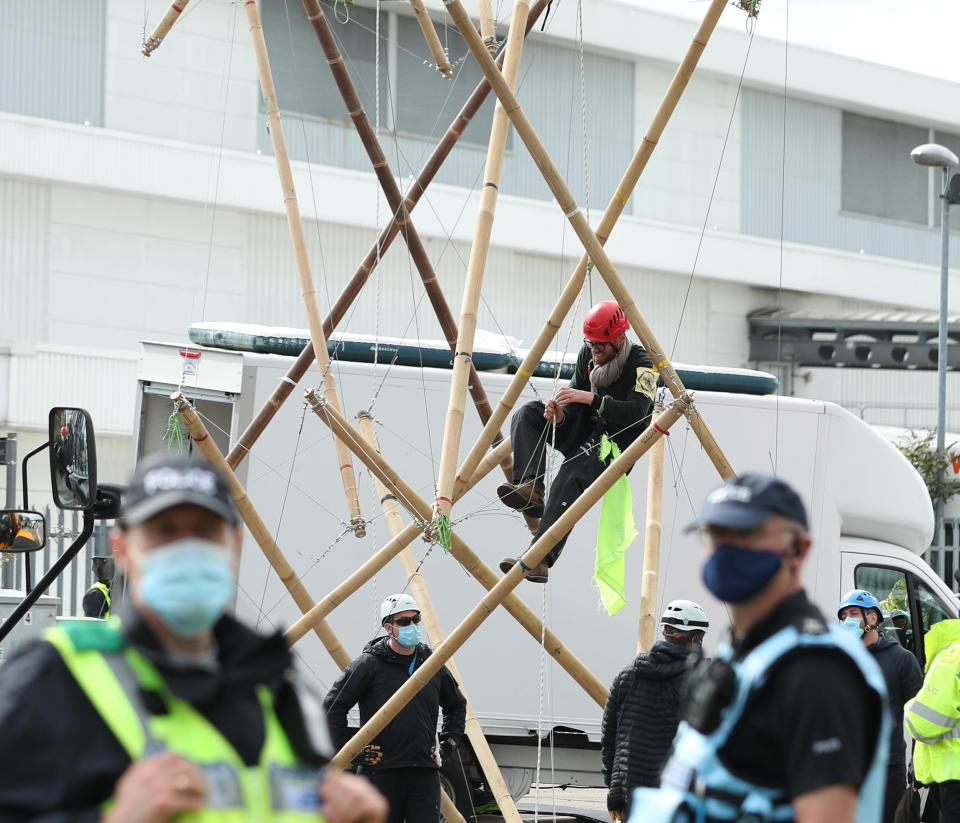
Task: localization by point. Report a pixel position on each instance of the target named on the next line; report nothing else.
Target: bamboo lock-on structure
(406, 513)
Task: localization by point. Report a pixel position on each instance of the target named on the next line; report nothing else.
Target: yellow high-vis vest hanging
(279, 788)
(614, 536)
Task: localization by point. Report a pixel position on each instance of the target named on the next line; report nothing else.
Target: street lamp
(933, 154)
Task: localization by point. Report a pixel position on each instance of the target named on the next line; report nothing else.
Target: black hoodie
(640, 720)
(371, 680)
(901, 671)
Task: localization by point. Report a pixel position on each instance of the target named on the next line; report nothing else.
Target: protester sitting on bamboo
(609, 399)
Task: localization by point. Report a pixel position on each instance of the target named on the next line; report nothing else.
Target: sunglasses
(593, 344)
(406, 621)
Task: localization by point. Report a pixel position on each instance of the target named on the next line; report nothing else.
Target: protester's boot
(523, 497)
(538, 574)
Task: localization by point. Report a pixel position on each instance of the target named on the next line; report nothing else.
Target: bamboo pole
(391, 189)
(420, 509)
(508, 582)
(298, 240)
(377, 561)
(421, 594)
(417, 189)
(463, 353)
(433, 41)
(487, 30)
(256, 526)
(152, 43)
(591, 242)
(651, 546)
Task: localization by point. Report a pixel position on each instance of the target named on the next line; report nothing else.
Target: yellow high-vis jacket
(932, 716)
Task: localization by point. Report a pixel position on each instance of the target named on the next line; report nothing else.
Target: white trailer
(870, 521)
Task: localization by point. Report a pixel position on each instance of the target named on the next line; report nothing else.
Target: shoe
(538, 574)
(523, 497)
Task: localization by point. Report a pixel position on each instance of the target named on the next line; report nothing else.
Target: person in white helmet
(401, 760)
(643, 709)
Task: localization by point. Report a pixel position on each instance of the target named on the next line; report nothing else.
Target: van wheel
(455, 784)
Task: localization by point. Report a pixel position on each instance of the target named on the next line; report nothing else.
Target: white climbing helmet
(684, 616)
(397, 603)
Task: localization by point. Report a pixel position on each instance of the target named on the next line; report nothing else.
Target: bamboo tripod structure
(610, 216)
(350, 292)
(463, 370)
(419, 508)
(299, 243)
(499, 591)
(162, 29)
(651, 546)
(481, 748)
(504, 587)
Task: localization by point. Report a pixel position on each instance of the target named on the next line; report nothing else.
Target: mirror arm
(23, 470)
(52, 574)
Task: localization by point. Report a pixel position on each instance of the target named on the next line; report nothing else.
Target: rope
(337, 5)
(174, 433)
(583, 120)
(379, 279)
(543, 669)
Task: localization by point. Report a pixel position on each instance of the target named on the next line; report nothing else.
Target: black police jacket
(903, 676)
(640, 720)
(59, 761)
(620, 410)
(371, 680)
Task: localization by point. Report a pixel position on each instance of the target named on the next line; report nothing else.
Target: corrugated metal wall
(51, 59)
(811, 201)
(24, 277)
(103, 383)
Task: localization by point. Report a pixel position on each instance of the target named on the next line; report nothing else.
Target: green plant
(920, 448)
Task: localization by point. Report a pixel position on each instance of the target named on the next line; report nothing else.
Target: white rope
(379, 280)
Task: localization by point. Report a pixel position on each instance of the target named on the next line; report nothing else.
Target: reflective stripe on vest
(104, 589)
(696, 786)
(279, 788)
(936, 757)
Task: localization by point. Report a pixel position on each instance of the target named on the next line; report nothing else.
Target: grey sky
(917, 36)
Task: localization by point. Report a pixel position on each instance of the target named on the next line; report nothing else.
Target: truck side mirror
(73, 459)
(22, 531)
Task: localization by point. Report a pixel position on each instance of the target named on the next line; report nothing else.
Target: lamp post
(933, 154)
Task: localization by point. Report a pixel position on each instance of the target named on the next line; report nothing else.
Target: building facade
(139, 195)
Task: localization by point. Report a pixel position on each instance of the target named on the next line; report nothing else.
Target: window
(889, 586)
(877, 177)
(930, 609)
(305, 86)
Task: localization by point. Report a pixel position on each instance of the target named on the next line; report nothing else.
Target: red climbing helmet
(605, 322)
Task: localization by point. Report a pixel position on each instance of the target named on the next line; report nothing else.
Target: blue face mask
(187, 584)
(734, 574)
(852, 625)
(408, 636)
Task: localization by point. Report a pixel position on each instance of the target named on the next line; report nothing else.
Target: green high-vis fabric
(614, 536)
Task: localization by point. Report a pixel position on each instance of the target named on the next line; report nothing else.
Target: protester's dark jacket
(621, 410)
(904, 679)
(59, 761)
(640, 720)
(372, 679)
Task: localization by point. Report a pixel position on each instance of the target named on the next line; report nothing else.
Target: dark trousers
(948, 799)
(530, 436)
(413, 794)
(896, 786)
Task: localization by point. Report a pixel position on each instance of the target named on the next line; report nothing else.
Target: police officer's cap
(744, 502)
(162, 482)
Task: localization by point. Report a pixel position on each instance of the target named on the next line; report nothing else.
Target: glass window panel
(931, 608)
(426, 102)
(300, 72)
(878, 177)
(889, 586)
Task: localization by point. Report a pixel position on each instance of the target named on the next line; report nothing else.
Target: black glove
(448, 745)
(368, 756)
